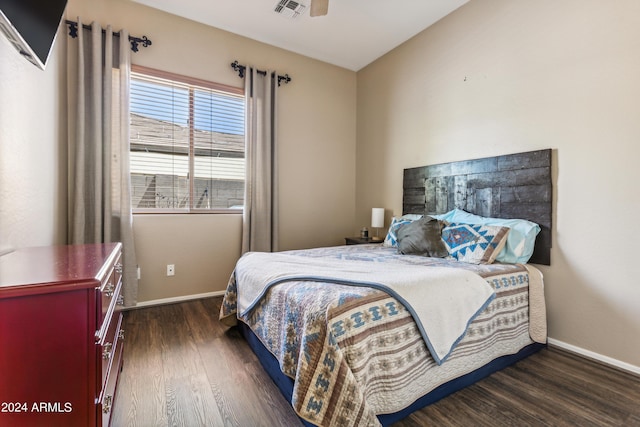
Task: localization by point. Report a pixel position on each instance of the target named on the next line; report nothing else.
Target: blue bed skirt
(285, 384)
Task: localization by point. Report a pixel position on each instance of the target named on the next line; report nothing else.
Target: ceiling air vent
(289, 8)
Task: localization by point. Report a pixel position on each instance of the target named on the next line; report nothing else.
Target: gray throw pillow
(422, 237)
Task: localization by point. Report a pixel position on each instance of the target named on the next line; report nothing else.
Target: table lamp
(377, 221)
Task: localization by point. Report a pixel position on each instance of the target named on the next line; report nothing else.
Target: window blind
(187, 145)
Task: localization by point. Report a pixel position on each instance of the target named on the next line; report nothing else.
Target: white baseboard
(627, 367)
(173, 300)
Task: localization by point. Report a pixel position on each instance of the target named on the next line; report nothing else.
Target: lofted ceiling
(353, 34)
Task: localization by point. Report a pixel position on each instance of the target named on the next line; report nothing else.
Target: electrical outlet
(171, 270)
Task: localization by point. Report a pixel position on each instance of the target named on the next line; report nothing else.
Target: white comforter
(443, 301)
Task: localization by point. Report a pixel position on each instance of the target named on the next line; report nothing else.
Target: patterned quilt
(355, 352)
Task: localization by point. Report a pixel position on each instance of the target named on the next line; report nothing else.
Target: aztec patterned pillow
(391, 240)
(474, 243)
(520, 242)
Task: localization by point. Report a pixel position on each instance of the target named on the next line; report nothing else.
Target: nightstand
(362, 240)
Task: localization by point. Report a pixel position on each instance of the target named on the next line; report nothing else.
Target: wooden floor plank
(141, 383)
(182, 367)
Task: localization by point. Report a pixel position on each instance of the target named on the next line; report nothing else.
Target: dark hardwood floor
(183, 368)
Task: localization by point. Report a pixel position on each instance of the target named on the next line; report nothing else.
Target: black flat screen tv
(31, 26)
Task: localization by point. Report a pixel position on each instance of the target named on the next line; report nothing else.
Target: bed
(363, 335)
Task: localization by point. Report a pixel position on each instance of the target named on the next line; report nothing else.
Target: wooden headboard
(511, 186)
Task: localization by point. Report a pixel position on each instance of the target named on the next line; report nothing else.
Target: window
(187, 143)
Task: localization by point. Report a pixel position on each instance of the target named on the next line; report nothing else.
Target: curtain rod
(135, 41)
(241, 68)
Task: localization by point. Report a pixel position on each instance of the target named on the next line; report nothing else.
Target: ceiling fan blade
(319, 7)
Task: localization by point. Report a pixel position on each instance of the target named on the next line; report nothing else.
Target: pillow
(520, 241)
(411, 217)
(474, 243)
(422, 237)
(391, 240)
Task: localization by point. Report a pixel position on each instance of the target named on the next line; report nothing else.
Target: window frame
(196, 83)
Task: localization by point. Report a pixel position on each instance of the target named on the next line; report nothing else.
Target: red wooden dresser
(60, 335)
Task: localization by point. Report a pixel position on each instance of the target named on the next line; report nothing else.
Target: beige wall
(32, 154)
(317, 137)
(203, 248)
(503, 76)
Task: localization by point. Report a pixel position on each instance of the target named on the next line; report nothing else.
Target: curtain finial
(238, 68)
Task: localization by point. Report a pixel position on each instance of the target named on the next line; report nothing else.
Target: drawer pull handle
(120, 300)
(118, 268)
(108, 290)
(121, 334)
(106, 351)
(106, 403)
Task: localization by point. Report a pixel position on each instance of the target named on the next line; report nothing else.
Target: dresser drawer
(108, 295)
(107, 395)
(109, 345)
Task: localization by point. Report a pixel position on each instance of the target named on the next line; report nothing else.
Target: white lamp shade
(377, 217)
